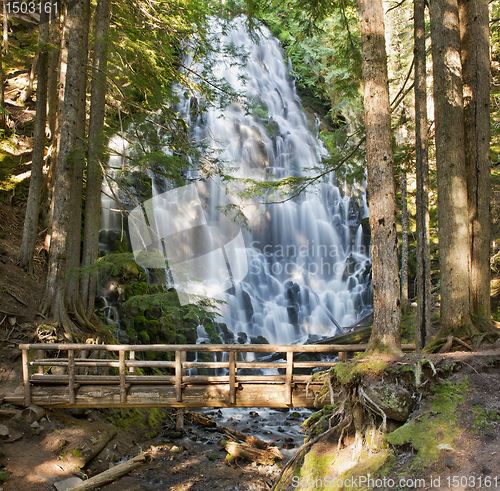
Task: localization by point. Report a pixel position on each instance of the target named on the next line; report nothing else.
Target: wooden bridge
(105, 376)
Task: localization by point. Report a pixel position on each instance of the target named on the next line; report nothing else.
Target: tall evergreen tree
(475, 50)
(386, 333)
(422, 174)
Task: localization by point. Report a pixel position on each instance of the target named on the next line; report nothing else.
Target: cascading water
(308, 259)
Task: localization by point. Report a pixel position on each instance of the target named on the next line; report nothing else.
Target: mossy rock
(140, 323)
(144, 338)
(153, 328)
(394, 400)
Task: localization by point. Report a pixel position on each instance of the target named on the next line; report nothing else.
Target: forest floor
(31, 456)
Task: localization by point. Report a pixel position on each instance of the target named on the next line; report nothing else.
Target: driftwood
(263, 451)
(245, 451)
(111, 474)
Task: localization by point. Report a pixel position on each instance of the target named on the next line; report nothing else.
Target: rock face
(393, 399)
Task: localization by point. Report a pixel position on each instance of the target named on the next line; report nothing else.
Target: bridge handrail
(179, 379)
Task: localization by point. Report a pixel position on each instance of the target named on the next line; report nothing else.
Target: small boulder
(67, 483)
(393, 399)
(4, 431)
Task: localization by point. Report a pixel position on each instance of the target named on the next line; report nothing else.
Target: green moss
(4, 476)
(483, 419)
(318, 472)
(349, 373)
(434, 427)
(149, 420)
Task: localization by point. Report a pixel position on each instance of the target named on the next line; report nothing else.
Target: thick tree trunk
(404, 242)
(3, 119)
(53, 302)
(475, 36)
(95, 153)
(454, 234)
(73, 298)
(386, 333)
(32, 207)
(422, 167)
(52, 96)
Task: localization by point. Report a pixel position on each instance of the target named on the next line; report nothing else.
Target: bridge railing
(72, 364)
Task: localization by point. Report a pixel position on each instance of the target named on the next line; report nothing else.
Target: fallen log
(251, 440)
(83, 455)
(33, 413)
(111, 474)
(245, 451)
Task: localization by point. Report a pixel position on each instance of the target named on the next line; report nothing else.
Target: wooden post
(131, 356)
(39, 356)
(26, 379)
(342, 356)
(71, 376)
(179, 420)
(289, 376)
(232, 377)
(83, 355)
(178, 376)
(123, 380)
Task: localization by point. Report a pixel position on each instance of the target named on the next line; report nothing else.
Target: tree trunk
(52, 96)
(3, 119)
(422, 171)
(73, 298)
(475, 36)
(454, 235)
(404, 242)
(95, 154)
(60, 86)
(32, 207)
(386, 333)
(53, 302)
(26, 94)
(5, 44)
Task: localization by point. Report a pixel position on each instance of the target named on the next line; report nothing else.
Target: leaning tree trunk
(52, 95)
(386, 333)
(32, 207)
(53, 302)
(73, 298)
(95, 153)
(474, 29)
(3, 119)
(454, 235)
(422, 171)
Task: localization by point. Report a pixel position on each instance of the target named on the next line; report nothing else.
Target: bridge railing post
(178, 375)
(26, 378)
(123, 376)
(289, 378)
(71, 376)
(232, 377)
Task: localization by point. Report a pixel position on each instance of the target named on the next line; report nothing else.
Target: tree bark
(386, 333)
(404, 242)
(475, 36)
(454, 234)
(52, 96)
(53, 302)
(3, 119)
(5, 43)
(96, 148)
(33, 204)
(73, 299)
(422, 171)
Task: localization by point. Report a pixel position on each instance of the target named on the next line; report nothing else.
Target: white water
(298, 251)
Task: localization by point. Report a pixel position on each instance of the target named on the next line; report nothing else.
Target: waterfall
(308, 270)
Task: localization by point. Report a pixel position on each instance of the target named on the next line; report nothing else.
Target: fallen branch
(15, 297)
(111, 474)
(245, 451)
